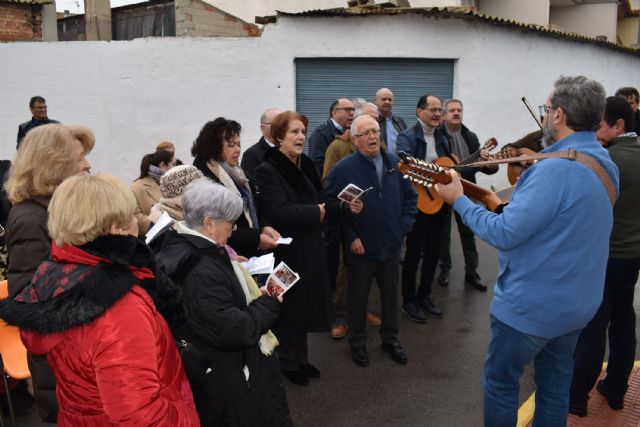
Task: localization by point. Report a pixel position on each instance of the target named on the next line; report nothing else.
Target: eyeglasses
(234, 226)
(369, 132)
(544, 109)
(432, 109)
(347, 109)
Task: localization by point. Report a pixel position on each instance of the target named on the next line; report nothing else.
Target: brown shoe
(373, 319)
(339, 330)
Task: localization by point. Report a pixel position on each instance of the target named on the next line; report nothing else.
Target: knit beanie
(175, 179)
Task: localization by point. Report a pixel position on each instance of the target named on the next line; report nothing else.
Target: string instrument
(489, 145)
(424, 175)
(429, 201)
(514, 170)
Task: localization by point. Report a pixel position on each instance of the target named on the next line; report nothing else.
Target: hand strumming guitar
(450, 192)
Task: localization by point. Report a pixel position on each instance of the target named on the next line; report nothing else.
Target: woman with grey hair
(225, 338)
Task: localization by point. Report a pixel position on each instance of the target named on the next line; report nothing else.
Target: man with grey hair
(341, 147)
(391, 125)
(254, 155)
(375, 240)
(463, 143)
(553, 239)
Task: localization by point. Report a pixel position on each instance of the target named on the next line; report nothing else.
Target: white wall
(589, 19)
(134, 94)
(529, 11)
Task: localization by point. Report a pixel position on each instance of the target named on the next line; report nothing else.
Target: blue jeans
(509, 352)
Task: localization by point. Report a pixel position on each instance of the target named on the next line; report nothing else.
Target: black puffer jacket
(223, 334)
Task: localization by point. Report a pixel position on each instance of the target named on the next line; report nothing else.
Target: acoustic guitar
(514, 170)
(424, 175)
(429, 201)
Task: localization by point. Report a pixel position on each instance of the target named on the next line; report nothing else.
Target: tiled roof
(464, 13)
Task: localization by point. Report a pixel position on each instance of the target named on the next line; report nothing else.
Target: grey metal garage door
(321, 80)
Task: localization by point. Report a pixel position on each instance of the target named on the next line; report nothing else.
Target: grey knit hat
(176, 178)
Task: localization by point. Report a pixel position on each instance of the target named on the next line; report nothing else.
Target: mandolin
(489, 145)
(423, 175)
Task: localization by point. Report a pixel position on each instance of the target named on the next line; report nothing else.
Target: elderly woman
(147, 187)
(217, 155)
(112, 353)
(47, 155)
(291, 198)
(227, 346)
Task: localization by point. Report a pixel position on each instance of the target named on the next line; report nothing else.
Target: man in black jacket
(340, 118)
(254, 155)
(463, 143)
(38, 107)
(632, 96)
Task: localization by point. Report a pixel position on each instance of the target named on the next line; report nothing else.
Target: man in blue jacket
(387, 216)
(425, 141)
(553, 239)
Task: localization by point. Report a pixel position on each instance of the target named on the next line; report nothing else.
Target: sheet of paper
(260, 265)
(284, 240)
(163, 222)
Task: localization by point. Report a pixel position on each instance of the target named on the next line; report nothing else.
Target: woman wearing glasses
(217, 156)
(226, 343)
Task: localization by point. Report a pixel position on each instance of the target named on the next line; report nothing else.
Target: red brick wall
(20, 22)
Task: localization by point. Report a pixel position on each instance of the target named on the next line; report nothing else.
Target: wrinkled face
(231, 151)
(218, 230)
(453, 114)
(633, 102)
(343, 113)
(292, 145)
(367, 139)
(431, 113)
(81, 163)
(39, 110)
(384, 101)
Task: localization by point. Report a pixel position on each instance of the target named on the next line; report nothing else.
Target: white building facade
(134, 94)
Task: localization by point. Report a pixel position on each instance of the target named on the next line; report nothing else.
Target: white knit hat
(175, 179)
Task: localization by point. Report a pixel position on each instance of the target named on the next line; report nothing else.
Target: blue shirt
(392, 135)
(553, 239)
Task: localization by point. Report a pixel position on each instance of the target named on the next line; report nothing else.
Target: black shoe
(444, 278)
(396, 352)
(615, 402)
(430, 308)
(413, 312)
(579, 409)
(360, 357)
(475, 282)
(297, 377)
(310, 370)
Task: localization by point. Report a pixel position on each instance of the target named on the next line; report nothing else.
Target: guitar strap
(570, 154)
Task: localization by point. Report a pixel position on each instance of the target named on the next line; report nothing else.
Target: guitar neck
(489, 198)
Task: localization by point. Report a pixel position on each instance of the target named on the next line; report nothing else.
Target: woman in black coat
(226, 343)
(217, 156)
(291, 199)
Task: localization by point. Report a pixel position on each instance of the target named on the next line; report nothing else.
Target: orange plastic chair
(12, 351)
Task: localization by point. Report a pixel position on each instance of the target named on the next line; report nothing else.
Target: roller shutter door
(321, 80)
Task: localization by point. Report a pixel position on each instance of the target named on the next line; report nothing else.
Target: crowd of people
(178, 332)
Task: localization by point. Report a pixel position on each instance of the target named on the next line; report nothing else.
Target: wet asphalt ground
(441, 385)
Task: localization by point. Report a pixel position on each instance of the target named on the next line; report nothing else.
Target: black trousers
(361, 272)
(468, 240)
(616, 313)
(422, 242)
(293, 352)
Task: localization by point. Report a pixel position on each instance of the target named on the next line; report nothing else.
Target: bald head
(384, 101)
(265, 122)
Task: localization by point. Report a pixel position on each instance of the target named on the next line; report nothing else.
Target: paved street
(441, 384)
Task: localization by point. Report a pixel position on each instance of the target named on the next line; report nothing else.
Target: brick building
(21, 20)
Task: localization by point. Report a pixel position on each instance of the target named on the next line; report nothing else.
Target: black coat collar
(294, 175)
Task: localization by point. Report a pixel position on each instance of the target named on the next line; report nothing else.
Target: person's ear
(619, 126)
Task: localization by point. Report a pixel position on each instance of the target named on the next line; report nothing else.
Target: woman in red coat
(89, 310)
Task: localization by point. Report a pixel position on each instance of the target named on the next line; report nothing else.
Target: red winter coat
(119, 368)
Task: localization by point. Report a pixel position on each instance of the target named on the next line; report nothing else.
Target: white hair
(204, 198)
(354, 124)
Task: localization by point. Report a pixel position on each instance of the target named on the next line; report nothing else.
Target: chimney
(97, 19)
